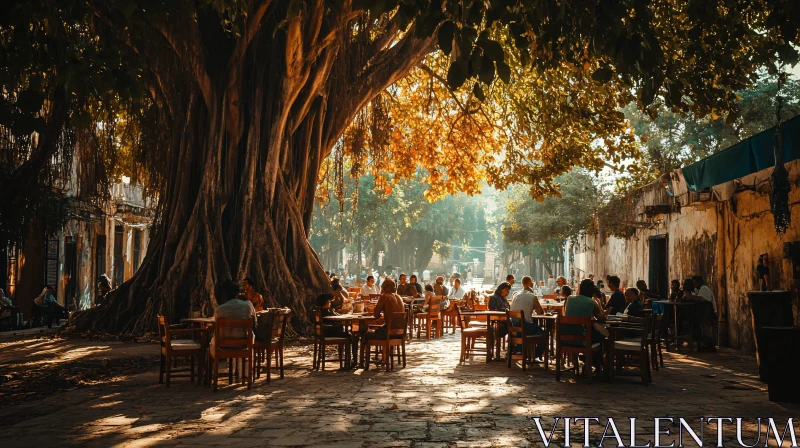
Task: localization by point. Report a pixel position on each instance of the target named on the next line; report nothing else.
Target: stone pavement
(433, 402)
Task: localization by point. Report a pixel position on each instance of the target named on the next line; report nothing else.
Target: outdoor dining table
(493, 319)
(347, 320)
(676, 337)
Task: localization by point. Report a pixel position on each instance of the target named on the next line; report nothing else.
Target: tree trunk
(243, 164)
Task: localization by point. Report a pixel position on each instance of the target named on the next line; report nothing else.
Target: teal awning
(746, 157)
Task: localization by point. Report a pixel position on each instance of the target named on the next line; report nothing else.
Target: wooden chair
(395, 337)
(274, 344)
(638, 349)
(429, 318)
(172, 349)
(570, 343)
(232, 349)
(450, 316)
(469, 337)
(656, 339)
(321, 342)
(517, 336)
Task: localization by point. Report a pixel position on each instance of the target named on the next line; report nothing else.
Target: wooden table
(676, 337)
(347, 320)
(493, 319)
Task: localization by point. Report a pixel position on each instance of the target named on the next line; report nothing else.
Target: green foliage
(555, 218)
(673, 140)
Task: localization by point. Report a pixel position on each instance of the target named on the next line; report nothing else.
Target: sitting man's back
(238, 307)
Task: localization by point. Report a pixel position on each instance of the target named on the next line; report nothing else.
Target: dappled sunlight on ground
(434, 400)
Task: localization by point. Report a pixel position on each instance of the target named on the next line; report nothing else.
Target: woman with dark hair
(498, 301)
(582, 305)
(341, 299)
(565, 292)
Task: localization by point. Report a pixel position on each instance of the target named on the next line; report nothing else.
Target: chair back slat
(563, 323)
(396, 324)
(435, 306)
(516, 331)
(163, 331)
(230, 324)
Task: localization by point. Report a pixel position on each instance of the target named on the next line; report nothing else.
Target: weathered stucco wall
(719, 240)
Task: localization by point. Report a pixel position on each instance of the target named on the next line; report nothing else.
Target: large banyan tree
(226, 109)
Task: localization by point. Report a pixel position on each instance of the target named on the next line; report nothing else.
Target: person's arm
(599, 314)
(537, 307)
(378, 308)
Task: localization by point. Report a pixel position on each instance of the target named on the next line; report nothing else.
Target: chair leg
(558, 363)
(280, 352)
(161, 369)
(391, 357)
(386, 357)
(191, 368)
(230, 370)
(314, 362)
(269, 364)
(169, 369)
(367, 356)
(322, 356)
(404, 353)
(216, 374)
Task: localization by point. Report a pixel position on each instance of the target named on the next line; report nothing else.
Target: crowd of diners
(589, 300)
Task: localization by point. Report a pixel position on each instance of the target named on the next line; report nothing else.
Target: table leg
(609, 364)
(497, 341)
(675, 338)
(489, 341)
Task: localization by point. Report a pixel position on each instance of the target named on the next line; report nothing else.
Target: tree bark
(243, 165)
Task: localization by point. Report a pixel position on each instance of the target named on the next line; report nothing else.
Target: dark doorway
(99, 260)
(119, 262)
(658, 268)
(71, 273)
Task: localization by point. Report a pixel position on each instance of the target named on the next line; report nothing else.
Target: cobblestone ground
(431, 403)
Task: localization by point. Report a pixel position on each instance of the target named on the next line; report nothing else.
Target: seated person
(234, 306)
(641, 285)
(582, 305)
(565, 292)
(405, 289)
(635, 306)
(369, 288)
(499, 302)
(8, 312)
(418, 286)
(439, 287)
(527, 302)
(457, 292)
(254, 297)
(103, 288)
(334, 330)
(341, 299)
(428, 294)
(47, 307)
(388, 303)
(616, 303)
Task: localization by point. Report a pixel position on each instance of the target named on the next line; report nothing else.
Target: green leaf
(503, 71)
(456, 75)
(478, 91)
(445, 36)
(493, 49)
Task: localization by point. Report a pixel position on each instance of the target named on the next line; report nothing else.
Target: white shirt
(457, 293)
(705, 293)
(367, 290)
(551, 283)
(523, 301)
(426, 275)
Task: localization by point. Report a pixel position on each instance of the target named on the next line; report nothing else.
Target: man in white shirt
(457, 292)
(370, 287)
(527, 302)
(551, 282)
